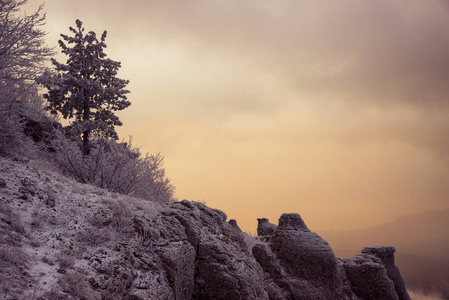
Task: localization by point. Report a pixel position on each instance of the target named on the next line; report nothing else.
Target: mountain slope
(60, 239)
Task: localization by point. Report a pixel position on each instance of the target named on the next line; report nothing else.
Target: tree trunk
(86, 148)
(86, 132)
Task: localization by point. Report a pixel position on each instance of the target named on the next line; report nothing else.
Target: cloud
(330, 103)
(371, 52)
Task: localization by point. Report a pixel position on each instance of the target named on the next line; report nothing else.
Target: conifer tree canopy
(86, 88)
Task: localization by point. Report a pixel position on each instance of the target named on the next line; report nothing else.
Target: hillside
(60, 239)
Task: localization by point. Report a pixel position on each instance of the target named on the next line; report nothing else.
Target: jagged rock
(119, 247)
(386, 255)
(292, 222)
(212, 262)
(369, 279)
(299, 264)
(234, 224)
(307, 259)
(269, 261)
(265, 228)
(180, 271)
(302, 253)
(226, 272)
(273, 270)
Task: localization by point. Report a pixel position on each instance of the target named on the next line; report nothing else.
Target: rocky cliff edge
(63, 240)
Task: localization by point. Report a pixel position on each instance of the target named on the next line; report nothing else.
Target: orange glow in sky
(338, 111)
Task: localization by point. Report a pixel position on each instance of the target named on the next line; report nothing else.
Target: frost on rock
(299, 264)
(64, 240)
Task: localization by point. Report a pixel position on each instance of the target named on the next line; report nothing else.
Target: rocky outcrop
(223, 267)
(88, 243)
(299, 264)
(265, 228)
(386, 256)
(234, 224)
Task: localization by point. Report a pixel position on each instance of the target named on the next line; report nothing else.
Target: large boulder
(303, 253)
(369, 279)
(386, 256)
(301, 264)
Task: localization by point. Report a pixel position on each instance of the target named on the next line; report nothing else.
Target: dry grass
(13, 276)
(250, 240)
(71, 285)
(66, 261)
(70, 237)
(121, 218)
(12, 257)
(95, 237)
(48, 261)
(38, 218)
(9, 217)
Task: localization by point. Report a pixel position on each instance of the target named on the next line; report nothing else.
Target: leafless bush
(12, 256)
(101, 218)
(22, 56)
(10, 132)
(38, 218)
(65, 261)
(95, 237)
(250, 240)
(13, 261)
(19, 103)
(11, 218)
(12, 138)
(121, 218)
(117, 167)
(17, 226)
(71, 285)
(118, 286)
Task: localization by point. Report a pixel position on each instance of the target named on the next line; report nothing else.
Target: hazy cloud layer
(266, 106)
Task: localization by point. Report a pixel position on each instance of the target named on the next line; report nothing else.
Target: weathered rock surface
(87, 243)
(234, 224)
(386, 255)
(265, 228)
(299, 264)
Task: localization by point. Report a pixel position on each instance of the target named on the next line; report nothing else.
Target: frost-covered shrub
(117, 167)
(71, 285)
(22, 58)
(20, 104)
(10, 133)
(12, 139)
(65, 261)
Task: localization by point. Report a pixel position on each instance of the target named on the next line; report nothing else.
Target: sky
(336, 110)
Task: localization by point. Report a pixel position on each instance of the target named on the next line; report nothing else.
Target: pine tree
(86, 87)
